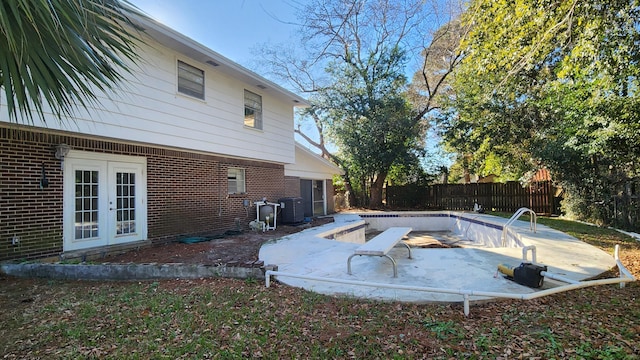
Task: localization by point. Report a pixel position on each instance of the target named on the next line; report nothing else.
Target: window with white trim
(252, 110)
(236, 181)
(190, 80)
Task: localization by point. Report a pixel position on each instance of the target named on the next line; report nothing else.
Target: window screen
(236, 181)
(252, 110)
(190, 80)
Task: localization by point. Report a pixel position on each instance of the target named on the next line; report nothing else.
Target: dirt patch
(420, 239)
(239, 248)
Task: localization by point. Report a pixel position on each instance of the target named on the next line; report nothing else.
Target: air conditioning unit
(292, 210)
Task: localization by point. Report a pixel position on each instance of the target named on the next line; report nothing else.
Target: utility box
(292, 211)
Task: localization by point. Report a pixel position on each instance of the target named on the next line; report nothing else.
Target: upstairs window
(252, 110)
(235, 181)
(190, 80)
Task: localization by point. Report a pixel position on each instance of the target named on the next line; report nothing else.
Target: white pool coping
(309, 253)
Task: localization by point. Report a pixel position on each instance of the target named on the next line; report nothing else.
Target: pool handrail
(533, 222)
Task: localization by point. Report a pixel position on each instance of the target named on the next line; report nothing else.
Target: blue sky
(233, 27)
(229, 27)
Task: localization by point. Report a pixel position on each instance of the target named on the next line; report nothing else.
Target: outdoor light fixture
(61, 151)
(44, 182)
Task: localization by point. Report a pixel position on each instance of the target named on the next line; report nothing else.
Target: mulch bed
(232, 247)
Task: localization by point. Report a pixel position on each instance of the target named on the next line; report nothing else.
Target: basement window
(236, 181)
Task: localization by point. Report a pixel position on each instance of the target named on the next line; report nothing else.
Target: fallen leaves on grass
(226, 318)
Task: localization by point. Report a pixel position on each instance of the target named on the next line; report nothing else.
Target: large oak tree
(352, 60)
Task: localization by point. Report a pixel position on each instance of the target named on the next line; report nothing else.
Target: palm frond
(60, 52)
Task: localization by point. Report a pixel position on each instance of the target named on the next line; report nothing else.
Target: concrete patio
(310, 253)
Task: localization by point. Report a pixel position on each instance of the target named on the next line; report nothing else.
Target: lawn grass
(236, 319)
(601, 237)
(604, 238)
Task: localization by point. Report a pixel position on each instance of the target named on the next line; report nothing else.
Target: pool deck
(473, 268)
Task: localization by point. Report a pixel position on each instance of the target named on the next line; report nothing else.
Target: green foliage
(456, 172)
(552, 84)
(60, 52)
(369, 118)
(443, 329)
(338, 184)
(411, 171)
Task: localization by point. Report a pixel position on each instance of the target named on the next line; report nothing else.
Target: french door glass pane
(125, 203)
(86, 204)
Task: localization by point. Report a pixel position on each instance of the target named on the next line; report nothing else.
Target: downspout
(219, 192)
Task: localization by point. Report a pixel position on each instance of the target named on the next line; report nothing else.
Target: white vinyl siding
(190, 80)
(252, 110)
(146, 109)
(236, 181)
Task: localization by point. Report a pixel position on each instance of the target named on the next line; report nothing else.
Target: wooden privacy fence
(625, 206)
(507, 197)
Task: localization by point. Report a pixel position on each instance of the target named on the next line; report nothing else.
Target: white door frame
(106, 166)
(323, 192)
(312, 196)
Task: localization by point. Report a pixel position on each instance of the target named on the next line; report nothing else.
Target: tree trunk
(351, 196)
(376, 191)
(465, 168)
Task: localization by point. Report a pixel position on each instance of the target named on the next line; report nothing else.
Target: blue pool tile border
(401, 215)
(425, 215)
(483, 223)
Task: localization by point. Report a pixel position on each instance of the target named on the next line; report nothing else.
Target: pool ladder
(533, 222)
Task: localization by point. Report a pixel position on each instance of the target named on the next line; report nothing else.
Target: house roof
(542, 174)
(311, 165)
(193, 49)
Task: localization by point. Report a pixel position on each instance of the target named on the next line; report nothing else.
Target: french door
(104, 200)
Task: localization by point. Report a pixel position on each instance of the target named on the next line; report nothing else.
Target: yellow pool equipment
(506, 269)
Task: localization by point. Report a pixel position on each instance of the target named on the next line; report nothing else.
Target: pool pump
(526, 274)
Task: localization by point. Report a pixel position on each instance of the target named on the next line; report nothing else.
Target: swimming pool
(314, 260)
(448, 227)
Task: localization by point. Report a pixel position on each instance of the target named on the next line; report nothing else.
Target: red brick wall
(31, 214)
(189, 196)
(292, 186)
(186, 192)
